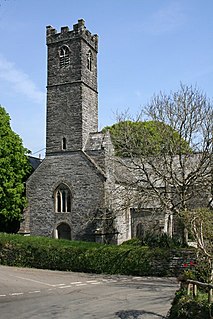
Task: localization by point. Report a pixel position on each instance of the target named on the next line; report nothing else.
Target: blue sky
(145, 46)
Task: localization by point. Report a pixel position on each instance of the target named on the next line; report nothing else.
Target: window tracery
(64, 55)
(62, 199)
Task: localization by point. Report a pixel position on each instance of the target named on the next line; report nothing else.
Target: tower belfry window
(89, 60)
(64, 55)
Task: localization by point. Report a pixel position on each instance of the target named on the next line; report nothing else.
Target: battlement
(79, 30)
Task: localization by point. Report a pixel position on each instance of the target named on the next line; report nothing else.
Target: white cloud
(20, 81)
(167, 19)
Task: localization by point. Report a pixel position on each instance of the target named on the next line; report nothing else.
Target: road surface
(43, 294)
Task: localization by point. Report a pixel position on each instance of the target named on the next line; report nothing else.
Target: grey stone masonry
(72, 183)
(81, 188)
(72, 97)
(87, 193)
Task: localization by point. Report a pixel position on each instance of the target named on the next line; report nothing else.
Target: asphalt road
(43, 294)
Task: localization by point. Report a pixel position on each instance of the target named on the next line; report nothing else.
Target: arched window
(64, 55)
(62, 199)
(64, 143)
(89, 60)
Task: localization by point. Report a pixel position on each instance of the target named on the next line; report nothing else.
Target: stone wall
(87, 189)
(72, 97)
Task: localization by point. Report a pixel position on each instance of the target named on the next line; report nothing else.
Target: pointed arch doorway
(64, 231)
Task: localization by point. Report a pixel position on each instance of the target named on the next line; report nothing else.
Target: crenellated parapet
(79, 30)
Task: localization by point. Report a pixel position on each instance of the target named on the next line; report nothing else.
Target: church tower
(72, 97)
(72, 183)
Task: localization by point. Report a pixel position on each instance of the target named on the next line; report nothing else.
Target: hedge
(47, 253)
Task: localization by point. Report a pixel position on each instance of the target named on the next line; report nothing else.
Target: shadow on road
(137, 314)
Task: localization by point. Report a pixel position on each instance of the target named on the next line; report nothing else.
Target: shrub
(193, 270)
(154, 240)
(185, 307)
(133, 242)
(162, 240)
(46, 253)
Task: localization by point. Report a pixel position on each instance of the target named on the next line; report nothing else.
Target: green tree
(168, 162)
(14, 168)
(145, 138)
(200, 223)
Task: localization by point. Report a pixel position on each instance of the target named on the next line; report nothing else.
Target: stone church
(73, 193)
(73, 181)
